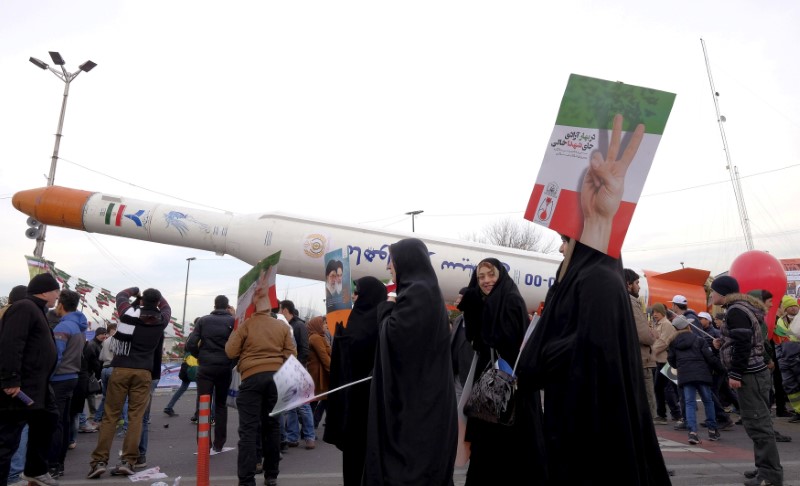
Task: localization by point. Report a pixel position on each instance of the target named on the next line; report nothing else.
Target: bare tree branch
(519, 234)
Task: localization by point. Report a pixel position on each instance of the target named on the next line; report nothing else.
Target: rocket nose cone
(25, 201)
(53, 205)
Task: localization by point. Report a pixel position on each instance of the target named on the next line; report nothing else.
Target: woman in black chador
(584, 356)
(352, 358)
(496, 317)
(412, 429)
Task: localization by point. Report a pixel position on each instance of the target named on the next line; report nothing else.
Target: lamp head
(38, 63)
(56, 57)
(87, 66)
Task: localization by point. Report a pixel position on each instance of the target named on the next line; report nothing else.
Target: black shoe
(56, 472)
(293, 444)
(97, 470)
(259, 469)
(681, 425)
(783, 413)
(284, 447)
(693, 439)
(193, 419)
(123, 469)
(271, 481)
(141, 463)
(728, 424)
(170, 412)
(795, 418)
(751, 474)
(756, 481)
(713, 435)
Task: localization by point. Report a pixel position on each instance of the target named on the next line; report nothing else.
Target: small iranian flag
(583, 127)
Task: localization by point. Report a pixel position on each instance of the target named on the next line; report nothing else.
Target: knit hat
(660, 308)
(221, 302)
(680, 322)
(788, 301)
(43, 283)
(17, 293)
(725, 285)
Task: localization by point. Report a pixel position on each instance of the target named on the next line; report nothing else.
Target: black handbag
(493, 396)
(93, 386)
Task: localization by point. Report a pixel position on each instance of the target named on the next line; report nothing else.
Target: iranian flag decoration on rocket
(583, 127)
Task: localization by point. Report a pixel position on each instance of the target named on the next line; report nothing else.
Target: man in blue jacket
(70, 336)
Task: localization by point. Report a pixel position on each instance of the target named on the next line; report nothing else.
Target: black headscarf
(497, 320)
(412, 429)
(584, 355)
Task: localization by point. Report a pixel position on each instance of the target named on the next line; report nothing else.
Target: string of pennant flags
(97, 303)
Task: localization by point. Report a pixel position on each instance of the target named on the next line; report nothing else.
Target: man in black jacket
(207, 344)
(137, 347)
(27, 359)
(741, 350)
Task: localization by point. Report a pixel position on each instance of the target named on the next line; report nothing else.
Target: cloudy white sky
(442, 106)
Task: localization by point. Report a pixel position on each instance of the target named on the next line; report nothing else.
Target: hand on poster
(604, 185)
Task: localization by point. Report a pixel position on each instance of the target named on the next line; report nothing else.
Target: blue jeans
(18, 461)
(306, 416)
(98, 416)
(690, 391)
(146, 421)
(177, 395)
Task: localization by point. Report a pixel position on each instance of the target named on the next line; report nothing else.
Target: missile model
(303, 242)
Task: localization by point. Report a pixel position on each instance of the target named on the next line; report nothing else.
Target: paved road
(172, 448)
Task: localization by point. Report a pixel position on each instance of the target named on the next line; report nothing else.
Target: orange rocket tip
(53, 205)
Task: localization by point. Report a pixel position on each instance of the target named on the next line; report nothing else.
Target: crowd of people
(398, 423)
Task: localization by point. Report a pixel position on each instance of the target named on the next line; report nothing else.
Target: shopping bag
(233, 391)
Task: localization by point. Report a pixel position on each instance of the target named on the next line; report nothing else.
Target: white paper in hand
(295, 386)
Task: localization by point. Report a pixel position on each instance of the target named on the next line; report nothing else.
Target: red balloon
(759, 270)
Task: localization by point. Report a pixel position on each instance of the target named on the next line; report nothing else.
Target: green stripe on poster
(592, 103)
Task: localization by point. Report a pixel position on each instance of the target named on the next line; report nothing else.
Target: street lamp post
(186, 290)
(414, 213)
(67, 78)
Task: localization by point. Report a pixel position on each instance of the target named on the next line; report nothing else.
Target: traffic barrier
(203, 440)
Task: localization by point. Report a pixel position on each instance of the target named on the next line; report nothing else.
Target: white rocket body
(303, 242)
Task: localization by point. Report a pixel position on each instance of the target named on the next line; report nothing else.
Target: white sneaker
(44, 480)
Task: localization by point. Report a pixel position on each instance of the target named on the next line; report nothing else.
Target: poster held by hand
(596, 163)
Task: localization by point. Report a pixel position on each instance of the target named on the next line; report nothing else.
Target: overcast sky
(441, 106)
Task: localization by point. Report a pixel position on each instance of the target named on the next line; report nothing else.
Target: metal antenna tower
(733, 171)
